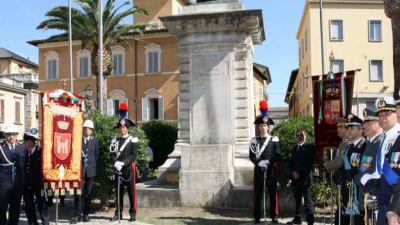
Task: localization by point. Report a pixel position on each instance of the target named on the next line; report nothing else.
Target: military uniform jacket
(17, 158)
(368, 160)
(337, 163)
(354, 156)
(393, 158)
(127, 152)
(90, 157)
(271, 151)
(302, 161)
(33, 169)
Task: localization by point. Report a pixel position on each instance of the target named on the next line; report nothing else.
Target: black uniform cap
(353, 120)
(125, 122)
(264, 120)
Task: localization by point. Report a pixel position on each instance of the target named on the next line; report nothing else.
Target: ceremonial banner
(62, 120)
(332, 98)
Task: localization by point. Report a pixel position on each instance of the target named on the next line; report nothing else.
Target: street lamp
(88, 91)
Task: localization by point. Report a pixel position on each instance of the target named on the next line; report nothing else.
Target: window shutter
(54, 73)
(145, 109)
(150, 62)
(110, 107)
(2, 110)
(160, 108)
(17, 112)
(85, 66)
(156, 62)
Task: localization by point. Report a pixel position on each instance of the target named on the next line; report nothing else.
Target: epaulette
(253, 140)
(275, 139)
(134, 140)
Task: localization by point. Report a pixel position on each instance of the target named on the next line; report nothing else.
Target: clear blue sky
(19, 18)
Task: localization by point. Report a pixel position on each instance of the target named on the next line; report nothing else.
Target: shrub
(162, 137)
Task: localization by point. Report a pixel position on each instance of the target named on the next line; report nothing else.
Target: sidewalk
(166, 216)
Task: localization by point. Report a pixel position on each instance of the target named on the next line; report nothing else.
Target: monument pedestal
(216, 106)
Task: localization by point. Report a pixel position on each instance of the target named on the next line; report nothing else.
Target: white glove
(263, 163)
(118, 165)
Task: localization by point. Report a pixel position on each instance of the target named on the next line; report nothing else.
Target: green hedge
(286, 132)
(162, 137)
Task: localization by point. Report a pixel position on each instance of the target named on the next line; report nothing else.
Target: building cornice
(10, 88)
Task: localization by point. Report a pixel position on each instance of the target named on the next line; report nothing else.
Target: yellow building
(12, 63)
(18, 94)
(359, 35)
(157, 67)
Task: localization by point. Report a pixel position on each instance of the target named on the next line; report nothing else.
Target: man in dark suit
(264, 153)
(12, 165)
(33, 180)
(124, 150)
(301, 166)
(90, 159)
(393, 216)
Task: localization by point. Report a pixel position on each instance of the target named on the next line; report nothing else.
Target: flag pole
(71, 78)
(321, 27)
(100, 88)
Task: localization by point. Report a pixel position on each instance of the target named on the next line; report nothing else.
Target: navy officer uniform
(12, 176)
(264, 153)
(124, 150)
(386, 160)
(34, 180)
(368, 160)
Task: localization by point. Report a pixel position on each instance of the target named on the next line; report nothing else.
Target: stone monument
(216, 106)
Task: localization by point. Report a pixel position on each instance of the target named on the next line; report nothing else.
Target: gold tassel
(366, 221)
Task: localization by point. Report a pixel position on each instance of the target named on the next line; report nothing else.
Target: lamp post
(88, 91)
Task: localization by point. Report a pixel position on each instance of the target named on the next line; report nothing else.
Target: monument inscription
(211, 95)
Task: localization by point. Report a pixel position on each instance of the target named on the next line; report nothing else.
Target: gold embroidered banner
(62, 120)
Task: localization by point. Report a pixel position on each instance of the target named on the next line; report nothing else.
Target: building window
(152, 106)
(261, 91)
(306, 77)
(1, 110)
(116, 98)
(371, 105)
(153, 58)
(84, 63)
(338, 66)
(51, 65)
(302, 48)
(178, 9)
(336, 30)
(376, 70)
(375, 30)
(118, 57)
(306, 40)
(17, 113)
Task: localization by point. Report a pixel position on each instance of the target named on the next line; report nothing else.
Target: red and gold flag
(62, 120)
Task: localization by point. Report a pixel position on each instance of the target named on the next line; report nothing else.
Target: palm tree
(392, 10)
(85, 21)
